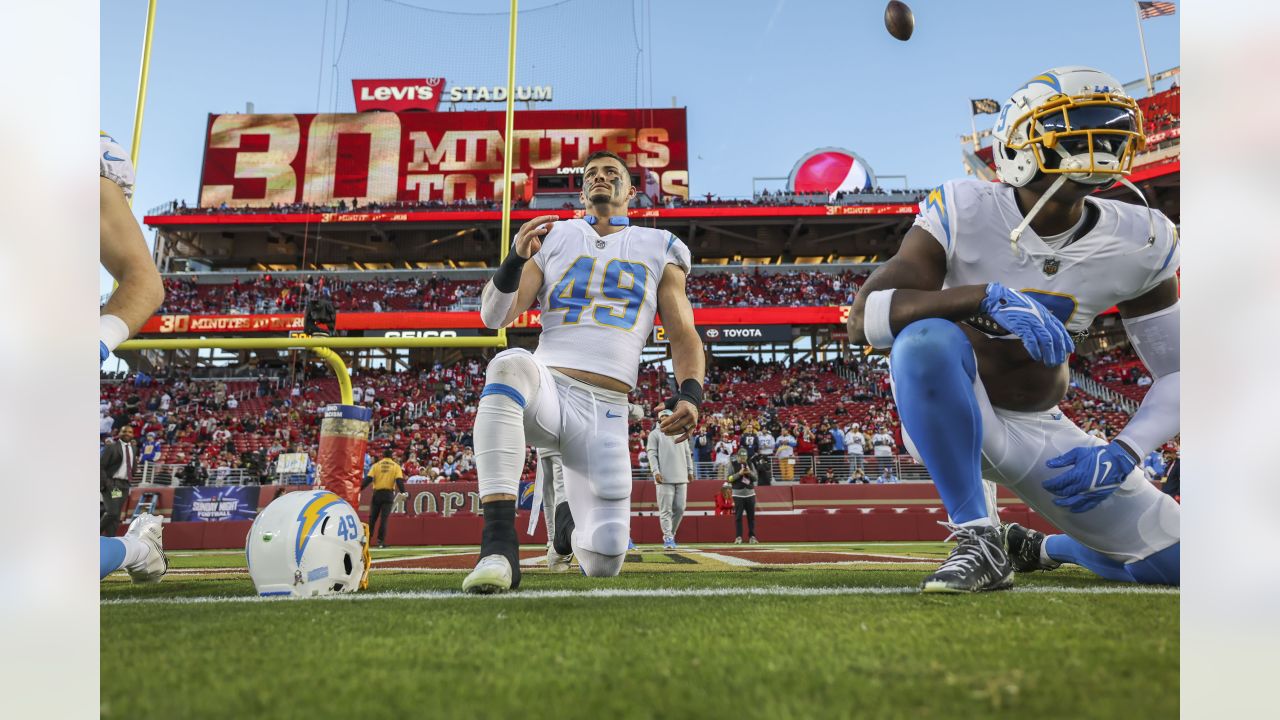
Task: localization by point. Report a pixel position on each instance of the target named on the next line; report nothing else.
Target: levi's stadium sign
(417, 157)
(426, 94)
(396, 95)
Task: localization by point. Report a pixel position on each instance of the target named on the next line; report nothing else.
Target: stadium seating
(425, 415)
(275, 294)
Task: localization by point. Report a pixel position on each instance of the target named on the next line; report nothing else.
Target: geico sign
(498, 93)
(421, 333)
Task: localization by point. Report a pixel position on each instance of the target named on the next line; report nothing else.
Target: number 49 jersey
(599, 295)
(1111, 263)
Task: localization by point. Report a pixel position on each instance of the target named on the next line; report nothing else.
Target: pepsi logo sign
(831, 170)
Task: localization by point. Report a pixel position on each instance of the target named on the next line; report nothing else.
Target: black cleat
(978, 562)
(1024, 549)
(564, 530)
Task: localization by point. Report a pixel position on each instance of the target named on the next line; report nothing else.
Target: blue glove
(1096, 471)
(103, 352)
(1043, 335)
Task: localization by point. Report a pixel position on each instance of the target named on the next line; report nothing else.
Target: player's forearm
(1157, 419)
(139, 295)
(687, 357)
(907, 306)
(498, 309)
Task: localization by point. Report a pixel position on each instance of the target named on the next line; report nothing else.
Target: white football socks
(136, 552)
(499, 443)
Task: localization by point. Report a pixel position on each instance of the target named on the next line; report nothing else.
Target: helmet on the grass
(305, 544)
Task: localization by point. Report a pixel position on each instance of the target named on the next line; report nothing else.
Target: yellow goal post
(324, 346)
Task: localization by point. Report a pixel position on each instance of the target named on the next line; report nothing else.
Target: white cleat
(491, 575)
(148, 529)
(557, 562)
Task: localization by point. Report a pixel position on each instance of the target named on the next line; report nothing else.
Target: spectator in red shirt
(805, 452)
(724, 500)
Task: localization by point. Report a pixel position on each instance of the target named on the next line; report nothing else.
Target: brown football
(898, 20)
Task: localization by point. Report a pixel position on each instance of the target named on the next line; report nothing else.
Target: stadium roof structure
(387, 240)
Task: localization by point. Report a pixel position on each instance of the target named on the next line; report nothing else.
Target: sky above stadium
(764, 82)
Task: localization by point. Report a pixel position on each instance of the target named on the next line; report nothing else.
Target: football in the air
(898, 20)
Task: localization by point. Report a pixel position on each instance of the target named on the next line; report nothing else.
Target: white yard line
(726, 559)
(399, 558)
(781, 591)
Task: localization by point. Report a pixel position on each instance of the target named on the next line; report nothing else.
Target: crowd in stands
(765, 198)
(1120, 370)
(180, 207)
(1162, 111)
(276, 294)
(851, 197)
(796, 288)
(202, 430)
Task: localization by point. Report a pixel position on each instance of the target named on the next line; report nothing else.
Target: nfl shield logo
(1051, 266)
(600, 245)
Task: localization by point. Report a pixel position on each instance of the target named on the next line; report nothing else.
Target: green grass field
(805, 631)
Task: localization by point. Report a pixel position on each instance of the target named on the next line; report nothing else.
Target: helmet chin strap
(1057, 184)
(1026, 220)
(1151, 216)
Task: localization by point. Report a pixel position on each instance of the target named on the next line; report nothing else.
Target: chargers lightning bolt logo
(310, 516)
(936, 202)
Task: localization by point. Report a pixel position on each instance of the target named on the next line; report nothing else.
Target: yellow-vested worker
(386, 476)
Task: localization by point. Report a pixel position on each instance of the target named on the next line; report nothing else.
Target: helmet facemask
(1092, 139)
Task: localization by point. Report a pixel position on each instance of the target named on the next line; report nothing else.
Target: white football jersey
(599, 295)
(114, 165)
(1111, 263)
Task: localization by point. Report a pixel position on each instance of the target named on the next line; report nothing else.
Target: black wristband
(507, 279)
(690, 391)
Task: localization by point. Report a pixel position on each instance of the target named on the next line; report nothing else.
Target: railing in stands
(1098, 390)
(805, 468)
(171, 474)
(903, 467)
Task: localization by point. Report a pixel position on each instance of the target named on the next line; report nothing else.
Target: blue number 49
(347, 528)
(623, 281)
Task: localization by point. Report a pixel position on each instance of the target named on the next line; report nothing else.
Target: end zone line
(781, 591)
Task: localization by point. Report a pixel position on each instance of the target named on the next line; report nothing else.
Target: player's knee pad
(512, 373)
(604, 533)
(603, 548)
(927, 346)
(594, 564)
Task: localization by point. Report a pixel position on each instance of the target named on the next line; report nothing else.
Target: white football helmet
(306, 543)
(1073, 121)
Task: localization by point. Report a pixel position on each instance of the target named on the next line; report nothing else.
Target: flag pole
(1142, 41)
(973, 124)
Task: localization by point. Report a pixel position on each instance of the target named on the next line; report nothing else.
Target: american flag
(1148, 10)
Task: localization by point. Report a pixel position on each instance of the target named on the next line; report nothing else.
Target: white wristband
(875, 319)
(112, 331)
